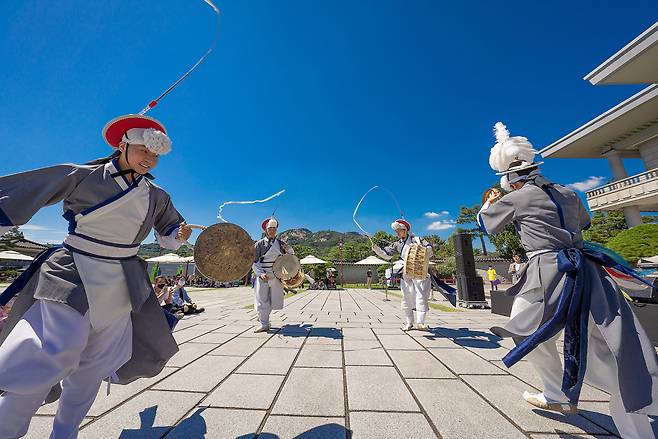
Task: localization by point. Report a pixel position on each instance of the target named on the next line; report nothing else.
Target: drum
(224, 252)
(286, 267)
(417, 262)
(295, 282)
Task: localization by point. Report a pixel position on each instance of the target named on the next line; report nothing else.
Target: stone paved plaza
(336, 365)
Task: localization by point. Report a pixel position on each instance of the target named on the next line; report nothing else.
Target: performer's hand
(494, 196)
(264, 277)
(184, 232)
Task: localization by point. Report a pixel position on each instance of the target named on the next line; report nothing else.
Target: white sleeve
(169, 242)
(381, 253)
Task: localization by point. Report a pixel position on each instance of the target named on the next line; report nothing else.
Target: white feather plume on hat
(509, 149)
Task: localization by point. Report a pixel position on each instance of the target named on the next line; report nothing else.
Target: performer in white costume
(268, 294)
(415, 292)
(86, 311)
(564, 287)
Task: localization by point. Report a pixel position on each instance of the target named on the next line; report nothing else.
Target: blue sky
(323, 99)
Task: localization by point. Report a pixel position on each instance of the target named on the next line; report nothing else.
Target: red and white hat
(269, 222)
(137, 129)
(401, 224)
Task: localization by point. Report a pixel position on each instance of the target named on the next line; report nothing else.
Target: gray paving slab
(320, 355)
(188, 334)
(419, 364)
(312, 392)
(462, 361)
(148, 415)
(218, 423)
(378, 388)
(365, 353)
(436, 341)
(304, 427)
(246, 391)
(285, 341)
(269, 361)
(213, 337)
(371, 425)
(459, 412)
(235, 328)
(202, 375)
(240, 347)
(401, 341)
(189, 352)
(505, 392)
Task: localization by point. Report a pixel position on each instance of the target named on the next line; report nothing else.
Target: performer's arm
(171, 231)
(23, 194)
(494, 216)
(386, 253)
(428, 246)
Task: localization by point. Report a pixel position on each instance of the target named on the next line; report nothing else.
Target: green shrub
(638, 242)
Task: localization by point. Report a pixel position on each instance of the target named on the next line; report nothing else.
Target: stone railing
(622, 191)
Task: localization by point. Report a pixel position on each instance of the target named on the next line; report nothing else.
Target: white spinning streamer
(356, 209)
(219, 215)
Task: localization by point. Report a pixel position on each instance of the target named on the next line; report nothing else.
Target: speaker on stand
(470, 287)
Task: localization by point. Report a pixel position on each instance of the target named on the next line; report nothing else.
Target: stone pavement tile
(312, 392)
(458, 412)
(436, 341)
(241, 347)
(285, 341)
(218, 423)
(358, 334)
(118, 394)
(462, 361)
(269, 361)
(148, 415)
(246, 391)
(419, 364)
(284, 427)
(320, 356)
(183, 324)
(312, 340)
(365, 352)
(369, 425)
(504, 392)
(188, 334)
(395, 330)
(489, 351)
(402, 341)
(189, 352)
(213, 337)
(201, 375)
(235, 328)
(378, 388)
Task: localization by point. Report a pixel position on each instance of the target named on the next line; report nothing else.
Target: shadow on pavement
(327, 431)
(466, 337)
(193, 427)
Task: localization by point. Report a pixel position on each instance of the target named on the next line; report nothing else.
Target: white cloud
(441, 225)
(589, 184)
(33, 227)
(435, 214)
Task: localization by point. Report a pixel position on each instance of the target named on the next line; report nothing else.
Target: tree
(639, 242)
(507, 242)
(301, 251)
(9, 239)
(468, 215)
(605, 226)
(382, 239)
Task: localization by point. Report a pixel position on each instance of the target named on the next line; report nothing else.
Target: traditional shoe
(422, 327)
(262, 328)
(539, 400)
(407, 327)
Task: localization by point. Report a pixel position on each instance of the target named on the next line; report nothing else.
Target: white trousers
(268, 295)
(415, 295)
(51, 343)
(601, 373)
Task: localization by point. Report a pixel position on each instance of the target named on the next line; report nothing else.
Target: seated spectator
(183, 301)
(164, 295)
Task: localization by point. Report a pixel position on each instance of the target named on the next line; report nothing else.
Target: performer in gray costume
(565, 287)
(268, 291)
(86, 311)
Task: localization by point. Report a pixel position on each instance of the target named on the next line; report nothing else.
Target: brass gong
(224, 252)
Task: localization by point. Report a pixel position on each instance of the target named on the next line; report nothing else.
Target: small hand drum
(417, 262)
(224, 252)
(286, 267)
